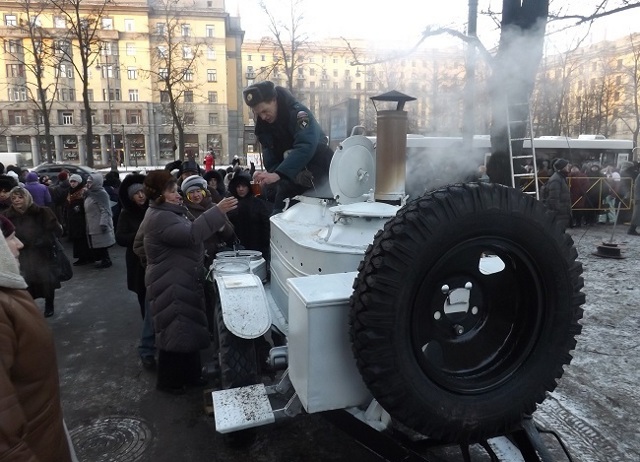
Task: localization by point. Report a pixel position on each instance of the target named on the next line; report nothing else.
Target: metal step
(241, 408)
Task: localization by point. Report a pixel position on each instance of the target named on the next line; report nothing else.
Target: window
(90, 94)
(111, 117)
(67, 94)
(164, 97)
(38, 117)
(214, 119)
(114, 95)
(60, 47)
(619, 64)
(211, 53)
(162, 52)
(263, 57)
(13, 46)
(10, 20)
(65, 117)
(213, 96)
(129, 25)
(335, 72)
(187, 52)
(83, 117)
(212, 75)
(15, 70)
(164, 73)
(17, 94)
(616, 96)
(618, 80)
(189, 118)
(59, 22)
(185, 30)
(35, 21)
(108, 49)
(133, 95)
(132, 73)
(188, 75)
(134, 116)
(248, 57)
(312, 71)
(131, 49)
(64, 70)
(107, 23)
(17, 117)
(161, 28)
(210, 30)
(188, 96)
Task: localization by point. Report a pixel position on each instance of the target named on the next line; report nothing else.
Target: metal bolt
(444, 289)
(437, 315)
(458, 329)
(468, 286)
(474, 310)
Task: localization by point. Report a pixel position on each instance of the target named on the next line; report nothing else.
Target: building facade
(130, 117)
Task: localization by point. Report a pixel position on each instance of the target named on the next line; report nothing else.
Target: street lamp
(112, 156)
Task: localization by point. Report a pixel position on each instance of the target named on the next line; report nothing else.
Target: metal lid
(366, 210)
(352, 172)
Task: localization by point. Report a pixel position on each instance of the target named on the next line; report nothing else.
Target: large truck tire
(465, 310)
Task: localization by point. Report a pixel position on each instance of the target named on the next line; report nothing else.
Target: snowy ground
(595, 407)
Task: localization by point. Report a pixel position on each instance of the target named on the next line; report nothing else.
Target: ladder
(516, 175)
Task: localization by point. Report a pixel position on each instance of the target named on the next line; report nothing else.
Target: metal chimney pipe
(391, 148)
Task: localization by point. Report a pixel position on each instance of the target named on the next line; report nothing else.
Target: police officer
(294, 148)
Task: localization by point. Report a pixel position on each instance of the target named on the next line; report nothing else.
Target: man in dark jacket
(558, 195)
(294, 147)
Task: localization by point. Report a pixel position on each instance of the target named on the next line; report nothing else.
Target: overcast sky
(402, 24)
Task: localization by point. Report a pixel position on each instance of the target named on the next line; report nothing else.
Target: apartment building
(127, 94)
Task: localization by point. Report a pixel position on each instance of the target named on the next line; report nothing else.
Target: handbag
(60, 263)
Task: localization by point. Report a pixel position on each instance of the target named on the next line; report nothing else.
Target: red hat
(63, 175)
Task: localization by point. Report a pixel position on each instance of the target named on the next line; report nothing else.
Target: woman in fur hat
(173, 249)
(36, 227)
(31, 425)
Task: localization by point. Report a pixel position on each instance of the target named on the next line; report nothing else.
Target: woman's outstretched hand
(227, 204)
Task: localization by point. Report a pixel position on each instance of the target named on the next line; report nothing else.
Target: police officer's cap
(259, 93)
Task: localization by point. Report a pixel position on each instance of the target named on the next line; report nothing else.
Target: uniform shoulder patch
(303, 119)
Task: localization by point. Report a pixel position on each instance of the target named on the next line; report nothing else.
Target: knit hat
(7, 182)
(31, 176)
(193, 182)
(13, 175)
(559, 164)
(133, 189)
(7, 226)
(156, 182)
(63, 175)
(259, 93)
(75, 177)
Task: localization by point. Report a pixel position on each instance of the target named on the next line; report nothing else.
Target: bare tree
(630, 111)
(287, 42)
(78, 35)
(174, 59)
(35, 57)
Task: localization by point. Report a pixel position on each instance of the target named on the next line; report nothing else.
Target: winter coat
(31, 426)
(36, 228)
(39, 192)
(174, 251)
(251, 218)
(97, 210)
(579, 185)
(220, 237)
(76, 220)
(131, 216)
(559, 197)
(297, 131)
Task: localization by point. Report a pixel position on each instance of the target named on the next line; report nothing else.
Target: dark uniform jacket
(297, 130)
(559, 197)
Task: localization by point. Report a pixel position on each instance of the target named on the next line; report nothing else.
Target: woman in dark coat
(36, 227)
(174, 252)
(77, 223)
(134, 204)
